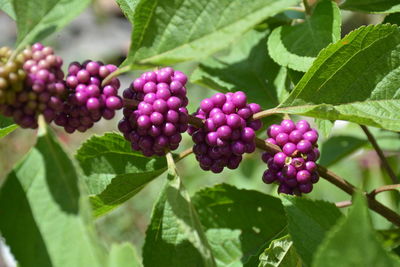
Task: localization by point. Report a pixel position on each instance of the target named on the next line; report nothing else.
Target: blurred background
(102, 33)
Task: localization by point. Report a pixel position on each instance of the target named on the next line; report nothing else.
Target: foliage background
(101, 32)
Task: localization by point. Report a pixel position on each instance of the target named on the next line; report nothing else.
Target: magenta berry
(161, 115)
(289, 149)
(280, 158)
(294, 169)
(88, 99)
(228, 130)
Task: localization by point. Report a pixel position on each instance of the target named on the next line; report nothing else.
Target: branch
(382, 157)
(323, 172)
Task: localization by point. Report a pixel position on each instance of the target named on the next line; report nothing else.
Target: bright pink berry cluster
(228, 131)
(88, 99)
(294, 169)
(155, 125)
(43, 88)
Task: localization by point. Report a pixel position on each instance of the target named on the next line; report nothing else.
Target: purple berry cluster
(44, 90)
(228, 131)
(294, 169)
(88, 99)
(156, 124)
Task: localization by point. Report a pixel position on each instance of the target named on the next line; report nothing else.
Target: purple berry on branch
(228, 130)
(161, 115)
(294, 168)
(88, 96)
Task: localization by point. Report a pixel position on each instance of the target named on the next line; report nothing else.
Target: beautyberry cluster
(88, 99)
(11, 75)
(228, 131)
(43, 89)
(156, 124)
(294, 169)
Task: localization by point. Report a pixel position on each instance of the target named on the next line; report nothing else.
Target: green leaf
(169, 31)
(356, 79)
(295, 76)
(128, 8)
(308, 223)
(353, 242)
(7, 6)
(248, 68)
(372, 6)
(175, 236)
(392, 19)
(6, 126)
(324, 127)
(45, 217)
(115, 173)
(338, 147)
(297, 46)
(390, 238)
(37, 19)
(280, 253)
(238, 222)
(123, 255)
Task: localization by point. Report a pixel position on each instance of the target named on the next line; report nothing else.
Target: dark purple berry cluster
(43, 90)
(88, 99)
(156, 124)
(228, 131)
(294, 169)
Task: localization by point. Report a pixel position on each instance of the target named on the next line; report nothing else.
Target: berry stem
(382, 157)
(264, 113)
(171, 164)
(323, 172)
(42, 125)
(116, 73)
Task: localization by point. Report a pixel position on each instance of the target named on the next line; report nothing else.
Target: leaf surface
(169, 31)
(45, 217)
(356, 79)
(297, 46)
(114, 172)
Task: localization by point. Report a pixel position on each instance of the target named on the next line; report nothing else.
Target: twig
(184, 154)
(343, 204)
(323, 172)
(392, 187)
(382, 157)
